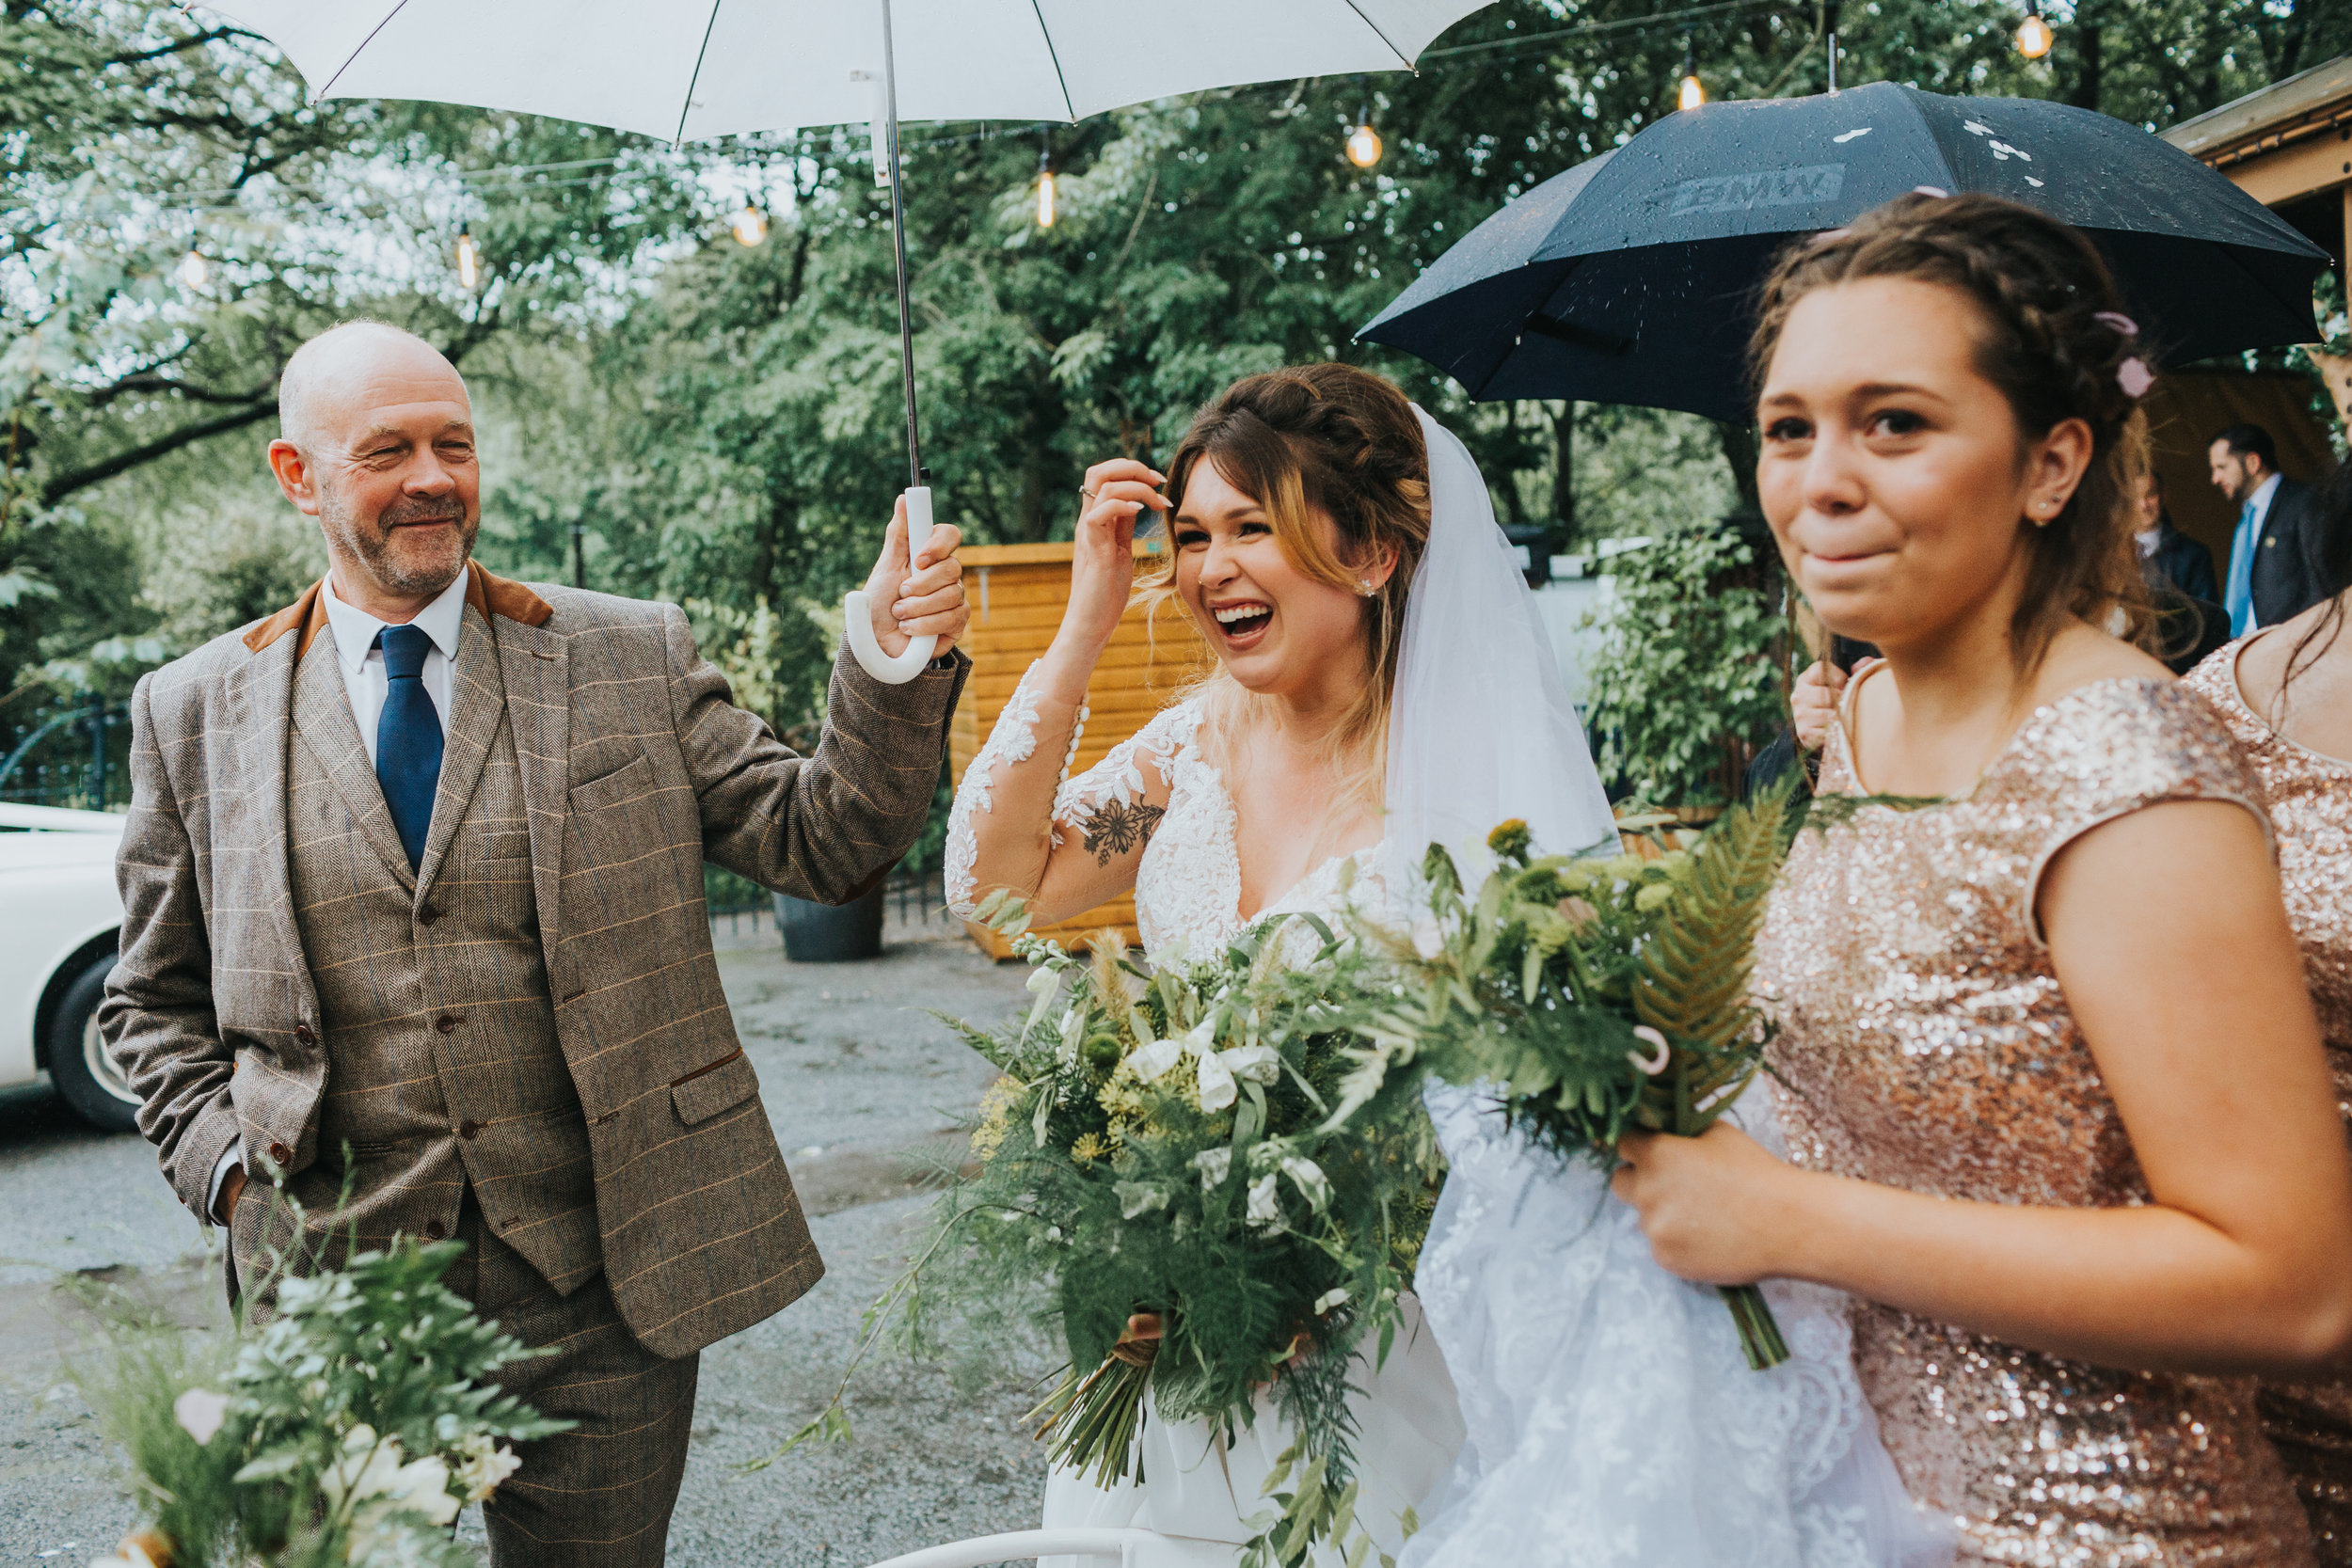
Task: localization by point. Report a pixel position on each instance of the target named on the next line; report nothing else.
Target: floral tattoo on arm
(1115, 827)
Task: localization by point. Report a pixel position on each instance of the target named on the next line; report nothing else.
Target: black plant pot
(831, 933)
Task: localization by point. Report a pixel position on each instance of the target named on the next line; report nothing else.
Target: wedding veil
(1480, 726)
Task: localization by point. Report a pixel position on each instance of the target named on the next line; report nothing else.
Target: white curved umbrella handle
(860, 619)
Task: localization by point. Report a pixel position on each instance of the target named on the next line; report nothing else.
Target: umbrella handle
(860, 619)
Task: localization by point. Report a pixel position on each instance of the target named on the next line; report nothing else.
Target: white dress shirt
(365, 681)
(2260, 501)
(355, 632)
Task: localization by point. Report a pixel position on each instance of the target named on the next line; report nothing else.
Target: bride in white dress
(1383, 682)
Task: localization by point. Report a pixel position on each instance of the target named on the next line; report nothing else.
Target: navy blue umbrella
(1631, 277)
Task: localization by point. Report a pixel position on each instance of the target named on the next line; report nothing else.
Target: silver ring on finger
(1087, 493)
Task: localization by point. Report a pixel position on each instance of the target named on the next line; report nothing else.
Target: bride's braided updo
(1334, 440)
(2054, 338)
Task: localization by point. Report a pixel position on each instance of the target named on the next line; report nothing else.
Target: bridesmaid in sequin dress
(2286, 694)
(2058, 1111)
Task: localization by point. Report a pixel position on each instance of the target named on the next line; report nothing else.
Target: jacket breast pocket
(627, 783)
(720, 1086)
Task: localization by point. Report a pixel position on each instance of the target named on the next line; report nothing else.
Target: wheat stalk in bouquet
(1595, 997)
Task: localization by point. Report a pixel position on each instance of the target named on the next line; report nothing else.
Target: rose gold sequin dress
(2311, 807)
(1925, 1044)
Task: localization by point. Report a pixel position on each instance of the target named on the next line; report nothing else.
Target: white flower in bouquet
(374, 1471)
(1308, 1178)
(1265, 1204)
(199, 1413)
(482, 1465)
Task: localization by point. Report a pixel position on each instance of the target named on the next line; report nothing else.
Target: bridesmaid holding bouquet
(2058, 1109)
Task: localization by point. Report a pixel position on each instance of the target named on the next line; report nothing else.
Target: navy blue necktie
(407, 739)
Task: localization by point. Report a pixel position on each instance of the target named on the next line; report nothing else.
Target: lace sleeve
(1119, 775)
(1013, 741)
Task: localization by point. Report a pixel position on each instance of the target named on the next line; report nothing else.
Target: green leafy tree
(1686, 685)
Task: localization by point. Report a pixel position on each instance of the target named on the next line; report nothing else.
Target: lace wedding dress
(1200, 1489)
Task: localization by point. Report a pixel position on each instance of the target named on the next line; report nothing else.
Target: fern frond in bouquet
(1595, 997)
(1158, 1181)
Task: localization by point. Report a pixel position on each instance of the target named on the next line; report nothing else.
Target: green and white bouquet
(350, 1429)
(1158, 1183)
(1595, 997)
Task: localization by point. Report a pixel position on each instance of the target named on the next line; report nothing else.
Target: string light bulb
(2034, 36)
(468, 258)
(1364, 142)
(1045, 188)
(192, 271)
(1694, 91)
(751, 225)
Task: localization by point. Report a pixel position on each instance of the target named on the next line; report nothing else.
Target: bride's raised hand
(1103, 566)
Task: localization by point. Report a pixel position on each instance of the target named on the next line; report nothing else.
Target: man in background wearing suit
(412, 889)
(2274, 556)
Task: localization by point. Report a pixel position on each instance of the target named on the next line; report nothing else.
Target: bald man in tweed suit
(412, 890)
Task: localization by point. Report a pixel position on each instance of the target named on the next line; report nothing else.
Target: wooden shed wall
(1018, 592)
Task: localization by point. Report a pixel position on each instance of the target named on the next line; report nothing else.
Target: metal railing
(914, 895)
(69, 755)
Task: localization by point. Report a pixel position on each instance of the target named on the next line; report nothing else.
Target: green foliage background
(1685, 685)
(718, 424)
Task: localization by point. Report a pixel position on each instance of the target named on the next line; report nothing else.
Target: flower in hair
(2135, 376)
(2118, 321)
(1930, 190)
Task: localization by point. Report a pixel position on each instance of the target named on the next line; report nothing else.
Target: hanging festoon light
(193, 271)
(2034, 36)
(1694, 91)
(1045, 188)
(1364, 142)
(751, 224)
(468, 258)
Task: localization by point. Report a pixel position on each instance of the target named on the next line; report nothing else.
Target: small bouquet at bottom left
(348, 1430)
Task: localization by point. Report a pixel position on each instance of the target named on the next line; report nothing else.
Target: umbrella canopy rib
(1036, 8)
(1402, 59)
(687, 106)
(328, 86)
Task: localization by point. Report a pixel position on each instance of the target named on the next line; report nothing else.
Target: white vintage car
(59, 919)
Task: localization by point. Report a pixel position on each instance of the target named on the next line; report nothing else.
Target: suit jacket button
(467, 1130)
(446, 1024)
(280, 1155)
(302, 1032)
(427, 915)
(433, 1231)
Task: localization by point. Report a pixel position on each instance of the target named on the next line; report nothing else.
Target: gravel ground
(855, 1078)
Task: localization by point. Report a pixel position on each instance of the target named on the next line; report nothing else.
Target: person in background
(2286, 694)
(2274, 563)
(2167, 556)
(2178, 570)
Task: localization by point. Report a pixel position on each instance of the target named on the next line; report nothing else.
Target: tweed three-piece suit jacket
(593, 752)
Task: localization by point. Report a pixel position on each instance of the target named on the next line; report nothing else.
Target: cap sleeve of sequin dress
(2102, 752)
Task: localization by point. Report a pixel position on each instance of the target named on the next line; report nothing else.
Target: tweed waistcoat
(442, 1062)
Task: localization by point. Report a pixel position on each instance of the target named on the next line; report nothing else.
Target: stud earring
(1363, 586)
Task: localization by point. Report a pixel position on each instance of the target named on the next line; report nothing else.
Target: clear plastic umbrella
(686, 69)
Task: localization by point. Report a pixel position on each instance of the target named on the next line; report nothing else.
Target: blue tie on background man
(2237, 595)
(407, 739)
